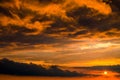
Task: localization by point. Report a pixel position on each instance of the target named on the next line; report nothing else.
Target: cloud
(52, 16)
(61, 25)
(101, 7)
(5, 11)
(99, 45)
(114, 4)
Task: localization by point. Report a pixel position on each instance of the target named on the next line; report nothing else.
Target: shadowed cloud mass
(50, 30)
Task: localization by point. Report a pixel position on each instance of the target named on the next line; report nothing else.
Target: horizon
(25, 69)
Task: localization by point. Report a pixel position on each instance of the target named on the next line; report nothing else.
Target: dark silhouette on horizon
(15, 68)
(23, 69)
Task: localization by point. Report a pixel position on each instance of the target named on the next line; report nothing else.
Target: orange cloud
(72, 29)
(26, 22)
(98, 5)
(95, 4)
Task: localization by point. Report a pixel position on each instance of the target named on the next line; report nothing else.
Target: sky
(60, 32)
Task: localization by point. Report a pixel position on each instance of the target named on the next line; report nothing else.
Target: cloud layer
(58, 26)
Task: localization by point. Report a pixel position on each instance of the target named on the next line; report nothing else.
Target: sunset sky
(60, 32)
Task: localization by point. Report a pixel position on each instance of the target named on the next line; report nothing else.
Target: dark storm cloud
(27, 39)
(51, 1)
(49, 21)
(5, 11)
(86, 17)
(2, 1)
(16, 34)
(114, 4)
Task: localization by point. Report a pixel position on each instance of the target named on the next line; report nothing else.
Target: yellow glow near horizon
(105, 72)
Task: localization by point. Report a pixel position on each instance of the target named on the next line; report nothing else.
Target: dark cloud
(86, 17)
(5, 11)
(12, 30)
(32, 39)
(114, 5)
(5, 1)
(51, 1)
(81, 32)
(56, 22)
(40, 18)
